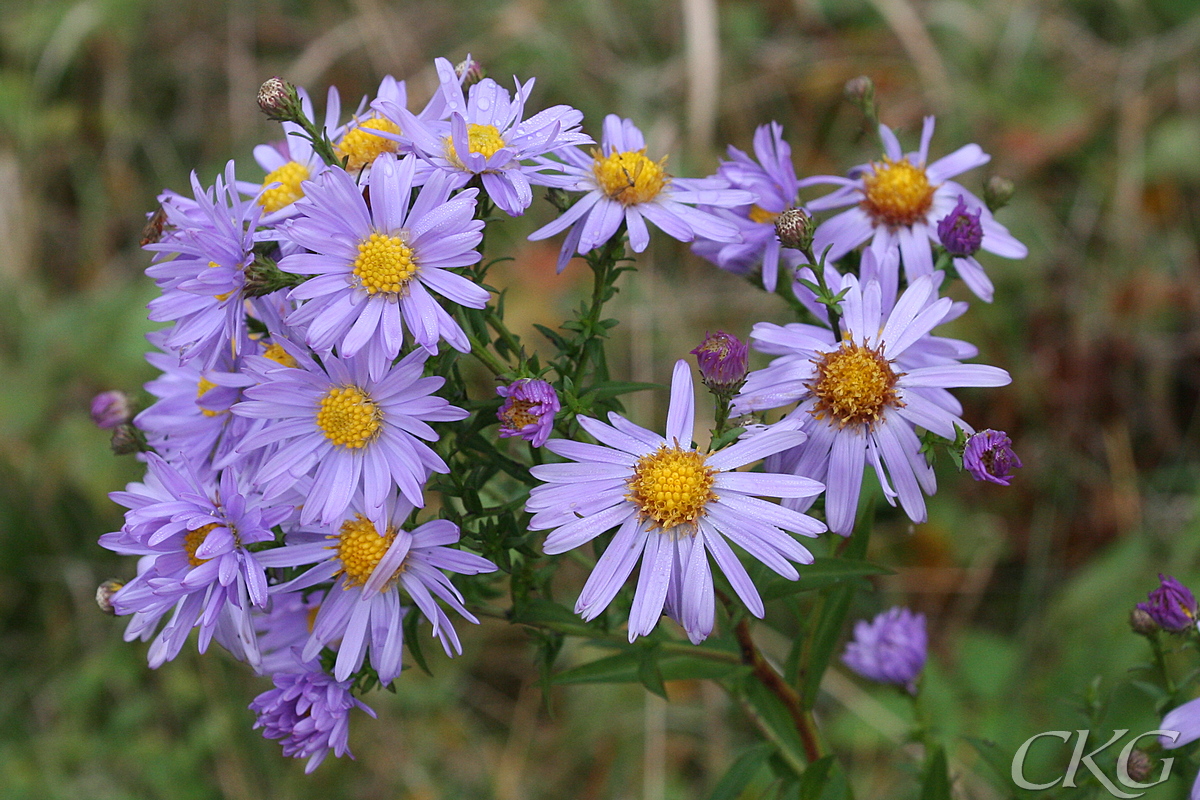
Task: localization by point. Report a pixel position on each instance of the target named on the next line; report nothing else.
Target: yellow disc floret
(629, 177)
(897, 193)
(193, 540)
(280, 356)
(853, 385)
(760, 215)
(348, 417)
(289, 177)
(360, 549)
(482, 139)
(384, 264)
(360, 146)
(517, 415)
(202, 388)
(672, 486)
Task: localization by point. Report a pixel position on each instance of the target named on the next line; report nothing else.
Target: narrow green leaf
(542, 613)
(413, 642)
(824, 571)
(1001, 764)
(831, 614)
(625, 668)
(741, 772)
(775, 721)
(649, 673)
(617, 388)
(935, 784)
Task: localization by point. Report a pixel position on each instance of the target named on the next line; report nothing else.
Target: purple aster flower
(859, 399)
(376, 264)
(898, 202)
(989, 457)
(1172, 605)
(110, 409)
(486, 136)
(528, 410)
(372, 564)
(283, 628)
(623, 185)
(192, 533)
(890, 648)
(310, 712)
(355, 435)
(722, 358)
(772, 183)
(1184, 724)
(212, 239)
(672, 506)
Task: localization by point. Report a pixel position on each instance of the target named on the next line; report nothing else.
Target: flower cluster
(317, 464)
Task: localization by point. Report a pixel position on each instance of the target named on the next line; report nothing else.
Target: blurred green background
(1091, 106)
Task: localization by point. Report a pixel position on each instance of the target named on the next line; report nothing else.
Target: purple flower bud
(723, 360)
(528, 410)
(989, 457)
(110, 409)
(960, 231)
(310, 712)
(1171, 605)
(890, 648)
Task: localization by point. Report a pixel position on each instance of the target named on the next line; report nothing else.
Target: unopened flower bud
(126, 440)
(960, 231)
(723, 359)
(104, 595)
(110, 409)
(860, 89)
(794, 227)
(528, 410)
(471, 71)
(989, 457)
(1138, 766)
(279, 100)
(1141, 623)
(263, 276)
(997, 192)
(1172, 605)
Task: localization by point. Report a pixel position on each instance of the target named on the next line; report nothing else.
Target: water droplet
(484, 104)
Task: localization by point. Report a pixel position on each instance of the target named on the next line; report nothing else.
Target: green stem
(480, 351)
(1160, 661)
(602, 265)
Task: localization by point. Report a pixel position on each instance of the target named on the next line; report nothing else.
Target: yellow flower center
(853, 385)
(288, 191)
(517, 416)
(760, 215)
(194, 539)
(672, 486)
(280, 356)
(384, 264)
(202, 389)
(348, 417)
(897, 193)
(360, 146)
(629, 177)
(482, 139)
(360, 549)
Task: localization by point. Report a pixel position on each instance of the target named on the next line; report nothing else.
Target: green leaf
(615, 389)
(776, 722)
(824, 571)
(627, 666)
(559, 342)
(815, 778)
(831, 614)
(413, 642)
(1001, 764)
(935, 784)
(649, 673)
(542, 613)
(741, 772)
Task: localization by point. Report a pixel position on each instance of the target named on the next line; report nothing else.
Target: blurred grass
(1093, 107)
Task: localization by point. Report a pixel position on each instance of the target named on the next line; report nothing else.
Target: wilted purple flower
(723, 359)
(890, 648)
(1172, 605)
(960, 231)
(528, 410)
(310, 712)
(110, 409)
(989, 457)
